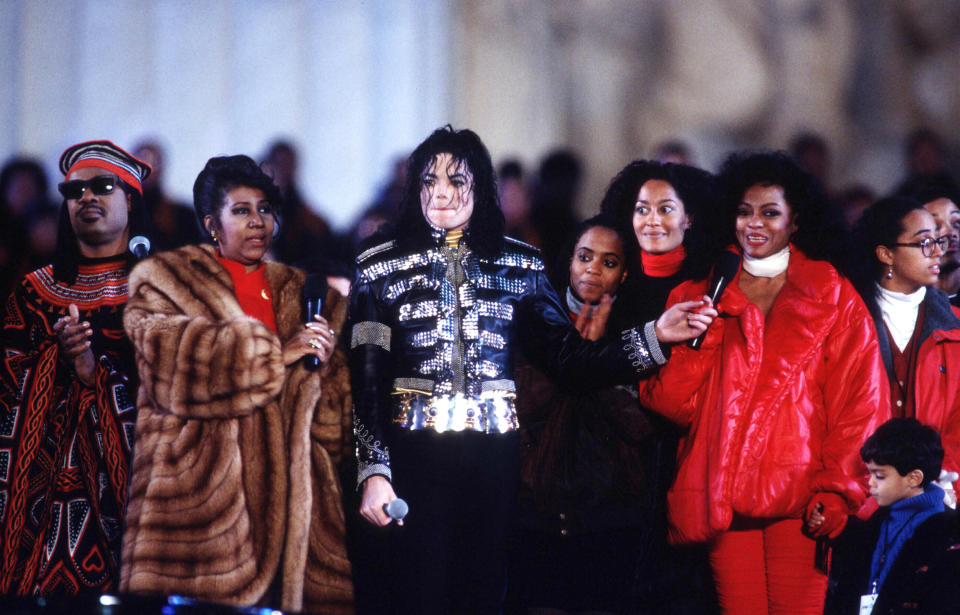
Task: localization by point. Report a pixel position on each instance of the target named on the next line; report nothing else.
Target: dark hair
(926, 188)
(805, 142)
(920, 136)
(222, 174)
(907, 445)
(693, 186)
(819, 232)
(673, 148)
(879, 225)
(66, 258)
(510, 169)
(280, 147)
(484, 232)
(601, 220)
(16, 166)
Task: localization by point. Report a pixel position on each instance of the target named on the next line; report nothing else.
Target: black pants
(450, 554)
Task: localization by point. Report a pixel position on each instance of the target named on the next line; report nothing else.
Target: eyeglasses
(926, 246)
(100, 185)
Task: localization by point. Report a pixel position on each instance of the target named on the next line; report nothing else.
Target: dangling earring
(890, 272)
(213, 236)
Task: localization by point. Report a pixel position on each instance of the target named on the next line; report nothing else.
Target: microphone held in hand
(728, 263)
(396, 509)
(139, 246)
(314, 290)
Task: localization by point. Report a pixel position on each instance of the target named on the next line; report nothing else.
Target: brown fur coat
(234, 495)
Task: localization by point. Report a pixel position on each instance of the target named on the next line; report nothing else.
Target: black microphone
(139, 246)
(728, 263)
(314, 290)
(396, 509)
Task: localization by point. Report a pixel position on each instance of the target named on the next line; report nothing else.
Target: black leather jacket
(441, 322)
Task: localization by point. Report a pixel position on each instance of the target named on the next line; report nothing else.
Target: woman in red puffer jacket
(778, 400)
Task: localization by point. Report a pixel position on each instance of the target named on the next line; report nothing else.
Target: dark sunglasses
(100, 185)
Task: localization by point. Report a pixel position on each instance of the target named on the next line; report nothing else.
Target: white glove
(945, 482)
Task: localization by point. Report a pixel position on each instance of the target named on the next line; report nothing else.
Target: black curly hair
(694, 186)
(880, 225)
(222, 174)
(819, 232)
(484, 232)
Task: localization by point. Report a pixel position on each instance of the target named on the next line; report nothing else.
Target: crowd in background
(541, 205)
(598, 465)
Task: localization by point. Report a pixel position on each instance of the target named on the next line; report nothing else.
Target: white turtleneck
(768, 266)
(899, 312)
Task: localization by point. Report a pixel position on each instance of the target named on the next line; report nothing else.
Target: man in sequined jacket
(436, 314)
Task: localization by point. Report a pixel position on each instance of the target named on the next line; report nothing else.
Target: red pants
(765, 566)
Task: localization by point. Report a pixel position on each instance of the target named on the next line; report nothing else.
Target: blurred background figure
(811, 152)
(853, 201)
(174, 223)
(28, 221)
(305, 236)
(675, 151)
(515, 201)
(554, 203)
(384, 208)
(925, 156)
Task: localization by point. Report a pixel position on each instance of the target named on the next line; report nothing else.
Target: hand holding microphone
(396, 509)
(728, 263)
(314, 290)
(379, 504)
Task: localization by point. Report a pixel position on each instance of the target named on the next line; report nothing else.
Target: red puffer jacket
(777, 408)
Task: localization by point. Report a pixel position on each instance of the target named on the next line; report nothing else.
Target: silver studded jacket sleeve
(370, 368)
(551, 341)
(444, 321)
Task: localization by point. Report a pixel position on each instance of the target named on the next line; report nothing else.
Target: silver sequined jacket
(445, 321)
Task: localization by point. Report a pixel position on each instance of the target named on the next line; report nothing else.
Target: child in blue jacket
(906, 557)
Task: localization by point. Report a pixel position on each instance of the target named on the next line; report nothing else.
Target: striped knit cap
(105, 155)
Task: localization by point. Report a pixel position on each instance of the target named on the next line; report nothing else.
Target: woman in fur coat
(234, 495)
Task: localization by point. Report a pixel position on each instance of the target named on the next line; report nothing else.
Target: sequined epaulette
(519, 254)
(388, 262)
(377, 249)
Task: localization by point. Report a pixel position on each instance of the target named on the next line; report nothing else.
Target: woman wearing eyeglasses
(899, 258)
(777, 401)
(234, 494)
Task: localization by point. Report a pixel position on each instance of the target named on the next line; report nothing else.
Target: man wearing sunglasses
(68, 385)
